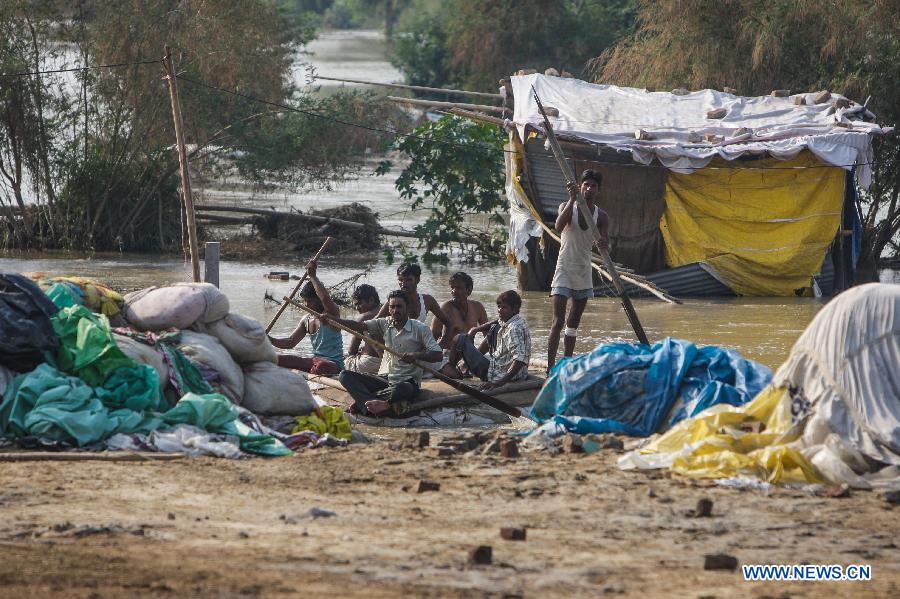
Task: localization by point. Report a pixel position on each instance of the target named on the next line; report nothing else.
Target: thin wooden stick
(284, 305)
(83, 456)
(481, 396)
(193, 244)
(419, 88)
(437, 104)
(607, 261)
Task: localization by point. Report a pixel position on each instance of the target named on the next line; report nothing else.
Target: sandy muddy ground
(226, 528)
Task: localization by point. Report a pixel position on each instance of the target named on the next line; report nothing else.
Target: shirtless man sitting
(464, 313)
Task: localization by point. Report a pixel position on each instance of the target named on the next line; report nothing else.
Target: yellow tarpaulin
(751, 440)
(763, 228)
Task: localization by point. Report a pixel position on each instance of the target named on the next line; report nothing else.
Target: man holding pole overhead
(391, 394)
(573, 277)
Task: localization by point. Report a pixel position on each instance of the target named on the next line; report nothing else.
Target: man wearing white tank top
(573, 277)
(408, 276)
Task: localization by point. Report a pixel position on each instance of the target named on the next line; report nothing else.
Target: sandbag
(244, 338)
(272, 390)
(207, 352)
(180, 306)
(144, 354)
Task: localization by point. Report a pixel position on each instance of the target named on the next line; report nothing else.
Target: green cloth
(62, 296)
(214, 413)
(49, 404)
(335, 422)
(189, 378)
(135, 388)
(87, 348)
(95, 391)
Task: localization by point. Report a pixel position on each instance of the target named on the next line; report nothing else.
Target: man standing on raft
(573, 277)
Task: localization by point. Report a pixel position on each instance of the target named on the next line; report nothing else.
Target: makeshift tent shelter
(709, 193)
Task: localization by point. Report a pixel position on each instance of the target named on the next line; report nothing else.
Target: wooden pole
(420, 88)
(211, 263)
(436, 104)
(284, 305)
(481, 396)
(183, 162)
(582, 206)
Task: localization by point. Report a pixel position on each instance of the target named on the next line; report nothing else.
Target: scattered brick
(509, 448)
(427, 485)
(720, 561)
(512, 533)
(481, 555)
(704, 508)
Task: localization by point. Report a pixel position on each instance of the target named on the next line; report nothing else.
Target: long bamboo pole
(284, 305)
(481, 396)
(582, 206)
(419, 88)
(183, 162)
(436, 104)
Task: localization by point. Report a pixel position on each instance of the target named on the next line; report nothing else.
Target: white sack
(144, 354)
(179, 306)
(244, 338)
(272, 390)
(207, 350)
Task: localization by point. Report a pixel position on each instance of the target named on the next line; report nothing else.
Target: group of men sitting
(387, 385)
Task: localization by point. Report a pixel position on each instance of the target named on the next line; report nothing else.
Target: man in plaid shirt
(503, 356)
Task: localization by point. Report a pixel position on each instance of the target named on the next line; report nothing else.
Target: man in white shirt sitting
(391, 395)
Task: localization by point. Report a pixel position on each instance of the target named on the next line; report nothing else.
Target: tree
(455, 169)
(757, 46)
(94, 150)
(474, 44)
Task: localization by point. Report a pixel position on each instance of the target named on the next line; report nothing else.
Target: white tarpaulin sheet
(610, 115)
(847, 365)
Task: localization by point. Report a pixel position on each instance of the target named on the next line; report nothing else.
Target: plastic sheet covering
(778, 127)
(762, 232)
(638, 389)
(87, 348)
(832, 412)
(523, 221)
(25, 328)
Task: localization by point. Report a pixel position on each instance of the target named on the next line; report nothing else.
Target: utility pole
(183, 162)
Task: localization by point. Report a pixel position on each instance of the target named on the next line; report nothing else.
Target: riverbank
(349, 521)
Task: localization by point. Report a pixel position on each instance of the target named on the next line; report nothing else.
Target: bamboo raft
(436, 396)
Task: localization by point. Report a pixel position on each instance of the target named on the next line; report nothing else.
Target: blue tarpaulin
(638, 389)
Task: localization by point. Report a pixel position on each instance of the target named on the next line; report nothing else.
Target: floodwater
(760, 328)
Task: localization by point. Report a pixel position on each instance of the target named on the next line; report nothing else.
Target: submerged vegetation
(86, 156)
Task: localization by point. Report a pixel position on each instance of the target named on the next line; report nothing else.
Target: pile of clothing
(177, 372)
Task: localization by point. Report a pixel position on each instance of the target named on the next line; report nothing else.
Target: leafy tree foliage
(473, 44)
(455, 170)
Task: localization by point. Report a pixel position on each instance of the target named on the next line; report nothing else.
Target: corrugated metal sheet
(691, 280)
(548, 181)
